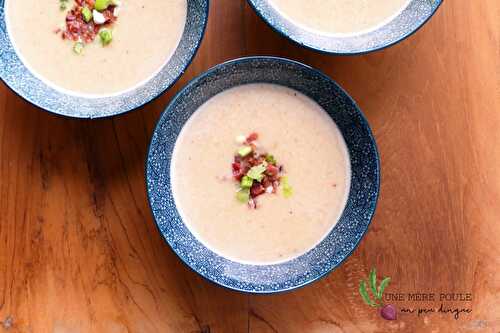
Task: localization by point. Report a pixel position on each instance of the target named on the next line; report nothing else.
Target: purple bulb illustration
(388, 312)
(375, 300)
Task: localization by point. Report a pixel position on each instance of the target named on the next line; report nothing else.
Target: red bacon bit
(266, 182)
(257, 189)
(109, 15)
(238, 171)
(89, 3)
(272, 170)
(252, 137)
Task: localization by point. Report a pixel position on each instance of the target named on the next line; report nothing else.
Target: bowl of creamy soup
(262, 175)
(97, 58)
(346, 26)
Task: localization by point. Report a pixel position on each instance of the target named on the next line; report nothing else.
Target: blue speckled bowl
(402, 26)
(344, 237)
(15, 74)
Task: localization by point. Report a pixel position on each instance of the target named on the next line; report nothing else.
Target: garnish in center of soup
(256, 172)
(88, 19)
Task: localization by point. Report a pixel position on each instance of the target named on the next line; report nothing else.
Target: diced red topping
(266, 182)
(236, 167)
(109, 15)
(89, 3)
(252, 137)
(238, 171)
(272, 170)
(257, 189)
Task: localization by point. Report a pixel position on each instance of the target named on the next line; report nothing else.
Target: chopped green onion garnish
(243, 195)
(287, 189)
(101, 5)
(63, 4)
(106, 36)
(78, 48)
(270, 159)
(87, 14)
(244, 151)
(257, 172)
(246, 182)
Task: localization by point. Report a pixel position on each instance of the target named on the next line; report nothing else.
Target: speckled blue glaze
(24, 83)
(344, 237)
(405, 24)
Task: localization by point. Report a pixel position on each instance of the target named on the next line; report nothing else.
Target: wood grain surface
(79, 251)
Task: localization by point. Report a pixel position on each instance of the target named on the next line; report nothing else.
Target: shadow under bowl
(345, 235)
(414, 16)
(27, 85)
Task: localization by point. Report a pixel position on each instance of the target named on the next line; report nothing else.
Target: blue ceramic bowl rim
(209, 72)
(126, 109)
(264, 16)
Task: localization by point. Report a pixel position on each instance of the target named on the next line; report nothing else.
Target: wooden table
(79, 251)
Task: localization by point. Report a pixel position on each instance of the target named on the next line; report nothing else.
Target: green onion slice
(106, 36)
(270, 159)
(243, 195)
(87, 14)
(244, 151)
(246, 182)
(257, 172)
(63, 4)
(287, 189)
(78, 48)
(101, 5)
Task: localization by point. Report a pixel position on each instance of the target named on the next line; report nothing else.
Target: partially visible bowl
(19, 78)
(342, 239)
(414, 16)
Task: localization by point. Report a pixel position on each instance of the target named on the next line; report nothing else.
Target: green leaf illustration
(364, 294)
(373, 281)
(381, 288)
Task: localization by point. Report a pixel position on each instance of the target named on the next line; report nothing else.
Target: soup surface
(305, 141)
(145, 35)
(340, 16)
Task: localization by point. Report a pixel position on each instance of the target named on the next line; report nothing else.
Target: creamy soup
(144, 37)
(340, 16)
(302, 138)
